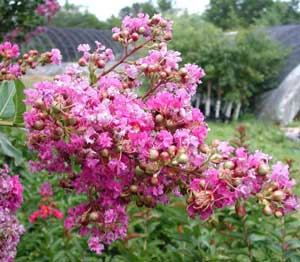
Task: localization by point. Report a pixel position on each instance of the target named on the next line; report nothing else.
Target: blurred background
(250, 51)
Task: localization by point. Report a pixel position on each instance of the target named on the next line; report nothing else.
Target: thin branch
(125, 57)
(152, 89)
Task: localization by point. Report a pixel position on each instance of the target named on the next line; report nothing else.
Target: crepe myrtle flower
(116, 144)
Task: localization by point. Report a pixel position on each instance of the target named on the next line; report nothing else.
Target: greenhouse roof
(68, 39)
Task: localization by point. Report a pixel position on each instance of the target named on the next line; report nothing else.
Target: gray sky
(105, 8)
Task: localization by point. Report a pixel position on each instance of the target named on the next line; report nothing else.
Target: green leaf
(8, 149)
(20, 107)
(7, 108)
(75, 166)
(257, 237)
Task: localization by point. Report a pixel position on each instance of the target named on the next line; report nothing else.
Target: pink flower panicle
(11, 69)
(118, 146)
(98, 58)
(10, 190)
(10, 200)
(48, 9)
(9, 50)
(240, 175)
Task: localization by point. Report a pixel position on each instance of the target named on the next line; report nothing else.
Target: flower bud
(204, 148)
(267, 210)
(154, 180)
(141, 30)
(183, 158)
(170, 123)
(39, 125)
(33, 52)
(216, 158)
(163, 23)
(100, 63)
(138, 171)
(183, 71)
(125, 33)
(104, 152)
(163, 74)
(240, 210)
(134, 37)
(229, 164)
(202, 183)
(57, 134)
(94, 216)
(168, 36)
(216, 142)
(153, 68)
(153, 154)
(133, 189)
(165, 155)
(43, 115)
(148, 200)
(278, 195)
(263, 169)
(172, 150)
(116, 36)
(82, 62)
(23, 70)
(125, 85)
(278, 213)
(30, 60)
(174, 162)
(39, 103)
(238, 172)
(32, 65)
(155, 19)
(144, 67)
(159, 118)
(237, 181)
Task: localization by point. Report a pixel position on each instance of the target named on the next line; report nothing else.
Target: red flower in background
(47, 207)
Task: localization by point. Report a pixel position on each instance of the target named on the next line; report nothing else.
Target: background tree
(281, 13)
(165, 5)
(233, 14)
(148, 7)
(137, 8)
(238, 66)
(198, 41)
(19, 14)
(72, 16)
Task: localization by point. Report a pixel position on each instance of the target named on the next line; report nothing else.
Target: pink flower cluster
(10, 69)
(99, 58)
(47, 207)
(48, 9)
(133, 28)
(9, 50)
(117, 144)
(237, 175)
(10, 200)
